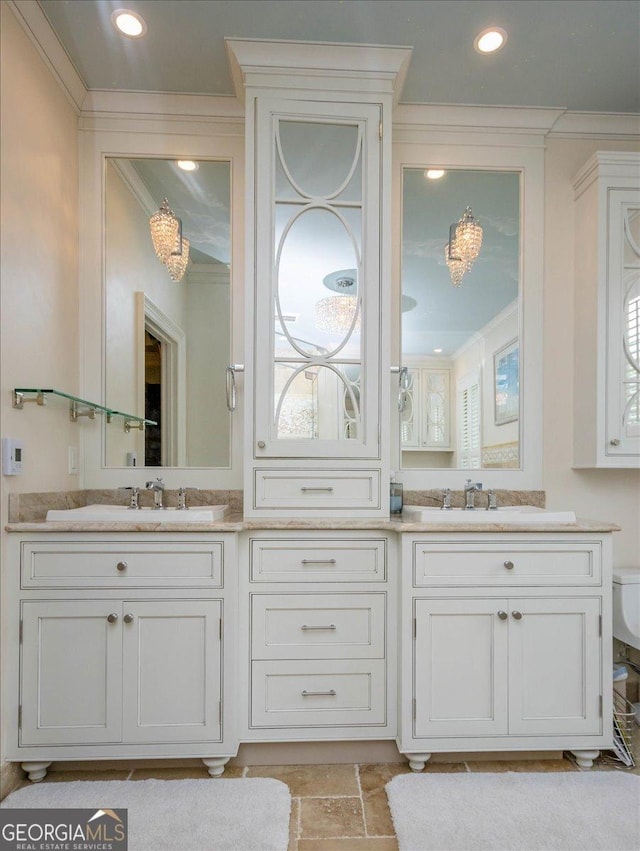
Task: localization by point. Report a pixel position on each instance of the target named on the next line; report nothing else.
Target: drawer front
(310, 490)
(318, 694)
(318, 560)
(55, 564)
(318, 626)
(553, 563)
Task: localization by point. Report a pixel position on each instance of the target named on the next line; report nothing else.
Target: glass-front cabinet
(317, 280)
(318, 259)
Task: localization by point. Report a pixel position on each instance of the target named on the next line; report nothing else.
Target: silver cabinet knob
(261, 444)
(128, 618)
(517, 615)
(615, 442)
(121, 565)
(502, 615)
(508, 565)
(113, 617)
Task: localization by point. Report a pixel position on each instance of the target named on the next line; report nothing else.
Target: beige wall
(39, 265)
(602, 494)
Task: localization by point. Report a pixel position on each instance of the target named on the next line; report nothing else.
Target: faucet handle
(133, 499)
(446, 499)
(182, 498)
(492, 500)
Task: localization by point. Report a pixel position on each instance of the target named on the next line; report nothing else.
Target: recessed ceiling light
(490, 40)
(128, 23)
(187, 165)
(437, 351)
(434, 173)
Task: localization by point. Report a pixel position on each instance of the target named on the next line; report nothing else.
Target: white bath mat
(249, 814)
(515, 811)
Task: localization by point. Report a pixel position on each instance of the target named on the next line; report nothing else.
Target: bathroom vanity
(160, 640)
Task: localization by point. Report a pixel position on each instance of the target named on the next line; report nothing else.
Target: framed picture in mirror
(506, 383)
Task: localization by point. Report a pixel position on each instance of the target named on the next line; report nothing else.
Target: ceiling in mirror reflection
(447, 317)
(200, 198)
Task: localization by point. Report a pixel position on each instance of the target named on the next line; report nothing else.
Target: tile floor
(334, 807)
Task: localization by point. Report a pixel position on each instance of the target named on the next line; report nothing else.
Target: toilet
(626, 605)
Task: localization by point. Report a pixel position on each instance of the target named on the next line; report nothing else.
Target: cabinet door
(460, 668)
(554, 667)
(317, 298)
(436, 417)
(623, 324)
(171, 671)
(71, 672)
(410, 426)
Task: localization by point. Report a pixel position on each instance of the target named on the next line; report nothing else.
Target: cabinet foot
(36, 771)
(585, 758)
(216, 764)
(417, 761)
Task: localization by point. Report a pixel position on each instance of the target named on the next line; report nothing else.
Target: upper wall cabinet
(317, 383)
(607, 310)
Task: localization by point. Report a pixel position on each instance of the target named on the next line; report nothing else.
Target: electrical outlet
(73, 460)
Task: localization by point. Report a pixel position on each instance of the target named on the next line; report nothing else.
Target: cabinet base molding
(215, 765)
(585, 758)
(417, 761)
(36, 771)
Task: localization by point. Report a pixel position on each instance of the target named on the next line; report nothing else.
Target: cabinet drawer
(318, 694)
(309, 490)
(552, 563)
(57, 564)
(318, 626)
(318, 560)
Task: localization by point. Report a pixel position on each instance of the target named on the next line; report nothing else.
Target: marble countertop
(235, 522)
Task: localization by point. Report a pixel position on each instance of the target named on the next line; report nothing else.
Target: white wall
(601, 494)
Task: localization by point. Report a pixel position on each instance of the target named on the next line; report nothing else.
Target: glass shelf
(78, 407)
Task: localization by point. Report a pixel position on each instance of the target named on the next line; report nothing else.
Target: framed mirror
(469, 296)
(168, 334)
(156, 341)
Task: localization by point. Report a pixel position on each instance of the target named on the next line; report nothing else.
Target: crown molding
(308, 65)
(598, 125)
(487, 119)
(614, 165)
(39, 30)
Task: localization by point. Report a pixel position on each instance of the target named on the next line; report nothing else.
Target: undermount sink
(122, 514)
(505, 514)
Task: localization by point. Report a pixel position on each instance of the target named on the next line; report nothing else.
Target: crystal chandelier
(166, 229)
(336, 313)
(169, 244)
(465, 240)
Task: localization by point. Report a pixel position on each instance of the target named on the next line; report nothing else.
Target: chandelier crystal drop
(336, 314)
(165, 231)
(177, 261)
(455, 264)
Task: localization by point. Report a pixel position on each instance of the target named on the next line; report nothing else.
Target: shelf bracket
(131, 424)
(19, 399)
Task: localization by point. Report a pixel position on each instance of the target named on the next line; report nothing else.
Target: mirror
(168, 342)
(461, 323)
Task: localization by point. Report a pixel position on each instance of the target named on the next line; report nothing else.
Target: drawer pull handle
(502, 615)
(307, 626)
(121, 565)
(517, 615)
(330, 693)
(324, 490)
(318, 561)
(508, 565)
(112, 618)
(128, 618)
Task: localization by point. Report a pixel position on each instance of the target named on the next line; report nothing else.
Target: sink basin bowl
(506, 514)
(122, 514)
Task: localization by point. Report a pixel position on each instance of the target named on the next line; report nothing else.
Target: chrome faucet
(133, 497)
(157, 487)
(182, 498)
(446, 499)
(470, 490)
(492, 500)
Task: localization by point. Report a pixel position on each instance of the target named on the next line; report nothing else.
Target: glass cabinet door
(317, 270)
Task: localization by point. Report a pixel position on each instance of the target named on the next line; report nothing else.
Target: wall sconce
(168, 242)
(465, 241)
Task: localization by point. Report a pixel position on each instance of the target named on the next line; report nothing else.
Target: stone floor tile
(293, 824)
(377, 816)
(312, 780)
(68, 776)
(326, 818)
(192, 773)
(376, 776)
(387, 843)
(541, 765)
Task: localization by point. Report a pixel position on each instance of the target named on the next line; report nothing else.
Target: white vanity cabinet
(505, 644)
(317, 384)
(126, 648)
(607, 311)
(320, 637)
